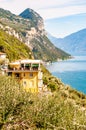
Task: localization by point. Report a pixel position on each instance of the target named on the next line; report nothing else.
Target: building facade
(28, 73)
(2, 55)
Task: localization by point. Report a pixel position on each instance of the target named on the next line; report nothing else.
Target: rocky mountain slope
(13, 48)
(30, 29)
(34, 17)
(74, 44)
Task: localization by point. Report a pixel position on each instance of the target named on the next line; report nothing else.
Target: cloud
(62, 11)
(49, 9)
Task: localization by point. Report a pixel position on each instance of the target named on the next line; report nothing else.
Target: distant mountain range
(64, 26)
(29, 28)
(75, 44)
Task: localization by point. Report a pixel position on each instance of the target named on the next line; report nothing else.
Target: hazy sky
(61, 27)
(46, 8)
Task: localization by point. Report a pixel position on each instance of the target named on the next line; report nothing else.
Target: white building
(2, 55)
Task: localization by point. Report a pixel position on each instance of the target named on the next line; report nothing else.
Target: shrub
(52, 86)
(22, 110)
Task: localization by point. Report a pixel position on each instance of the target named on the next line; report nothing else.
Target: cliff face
(10, 31)
(37, 28)
(29, 28)
(14, 48)
(34, 17)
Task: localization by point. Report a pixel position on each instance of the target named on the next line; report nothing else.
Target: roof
(26, 62)
(1, 53)
(15, 63)
(30, 61)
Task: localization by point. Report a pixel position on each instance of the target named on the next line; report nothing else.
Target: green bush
(9, 95)
(13, 48)
(20, 110)
(52, 86)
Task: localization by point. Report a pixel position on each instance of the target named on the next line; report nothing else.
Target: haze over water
(71, 72)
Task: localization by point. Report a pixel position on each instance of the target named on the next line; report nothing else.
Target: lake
(71, 72)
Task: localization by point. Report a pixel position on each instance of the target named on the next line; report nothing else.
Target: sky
(48, 9)
(64, 26)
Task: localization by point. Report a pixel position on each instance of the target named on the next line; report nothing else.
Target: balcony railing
(23, 69)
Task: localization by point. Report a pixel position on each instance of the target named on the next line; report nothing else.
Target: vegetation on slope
(41, 46)
(46, 50)
(22, 110)
(16, 22)
(13, 47)
(64, 109)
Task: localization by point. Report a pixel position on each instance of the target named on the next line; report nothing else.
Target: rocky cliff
(29, 28)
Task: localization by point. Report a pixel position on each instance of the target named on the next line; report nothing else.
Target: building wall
(3, 56)
(29, 80)
(40, 81)
(28, 72)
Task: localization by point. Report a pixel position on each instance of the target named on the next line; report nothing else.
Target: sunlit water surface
(71, 72)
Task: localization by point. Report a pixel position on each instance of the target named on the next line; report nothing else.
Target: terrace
(24, 65)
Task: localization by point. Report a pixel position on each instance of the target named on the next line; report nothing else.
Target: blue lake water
(71, 72)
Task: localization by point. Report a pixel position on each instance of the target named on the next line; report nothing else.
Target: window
(22, 65)
(9, 73)
(27, 66)
(35, 66)
(24, 83)
(31, 74)
(24, 74)
(17, 75)
(31, 84)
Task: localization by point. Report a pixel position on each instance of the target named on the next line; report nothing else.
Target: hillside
(13, 47)
(75, 44)
(34, 17)
(30, 29)
(64, 109)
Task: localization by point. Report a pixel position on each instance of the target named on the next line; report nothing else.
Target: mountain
(64, 26)
(13, 48)
(75, 44)
(34, 17)
(29, 28)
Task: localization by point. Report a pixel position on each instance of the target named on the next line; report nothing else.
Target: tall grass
(20, 110)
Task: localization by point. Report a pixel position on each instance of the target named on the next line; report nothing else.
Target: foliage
(52, 82)
(4, 61)
(64, 109)
(22, 110)
(42, 47)
(14, 21)
(46, 50)
(13, 47)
